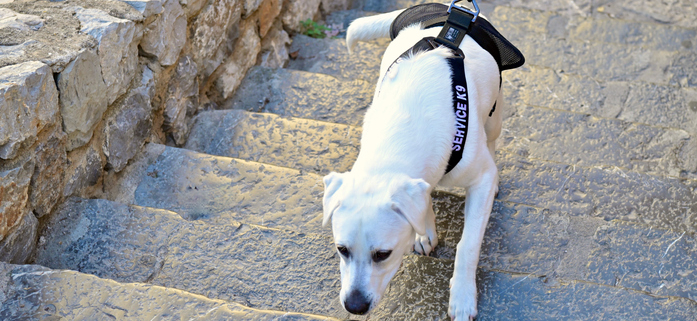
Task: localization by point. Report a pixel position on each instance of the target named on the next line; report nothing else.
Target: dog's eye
(343, 250)
(380, 256)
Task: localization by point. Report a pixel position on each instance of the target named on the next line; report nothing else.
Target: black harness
(457, 22)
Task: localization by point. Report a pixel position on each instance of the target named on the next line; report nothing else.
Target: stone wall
(84, 84)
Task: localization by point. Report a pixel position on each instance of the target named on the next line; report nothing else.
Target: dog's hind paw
(423, 244)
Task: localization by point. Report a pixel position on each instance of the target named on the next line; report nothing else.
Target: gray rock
(32, 292)
(250, 6)
(147, 8)
(129, 124)
(230, 74)
(165, 37)
(19, 245)
(297, 11)
(213, 28)
(182, 100)
(48, 180)
(192, 7)
(28, 103)
(117, 49)
(85, 170)
(274, 49)
(83, 99)
(15, 178)
(18, 21)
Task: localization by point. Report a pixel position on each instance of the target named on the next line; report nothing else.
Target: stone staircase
(595, 219)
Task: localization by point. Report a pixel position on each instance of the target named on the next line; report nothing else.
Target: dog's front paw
(424, 244)
(463, 300)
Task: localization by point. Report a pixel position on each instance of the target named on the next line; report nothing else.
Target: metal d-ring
(474, 13)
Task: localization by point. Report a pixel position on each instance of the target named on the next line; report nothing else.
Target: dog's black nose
(357, 303)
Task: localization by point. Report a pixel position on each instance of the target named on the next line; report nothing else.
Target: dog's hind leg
(424, 244)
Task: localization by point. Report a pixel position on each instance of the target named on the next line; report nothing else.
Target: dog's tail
(369, 28)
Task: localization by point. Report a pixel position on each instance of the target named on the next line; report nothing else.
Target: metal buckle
(474, 13)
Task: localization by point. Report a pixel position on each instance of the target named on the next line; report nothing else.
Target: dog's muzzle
(357, 303)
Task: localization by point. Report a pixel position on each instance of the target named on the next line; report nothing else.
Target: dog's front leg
(463, 288)
(424, 244)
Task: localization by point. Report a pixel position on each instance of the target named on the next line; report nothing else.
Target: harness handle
(474, 13)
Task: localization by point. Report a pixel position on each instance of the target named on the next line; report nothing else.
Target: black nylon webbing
(461, 109)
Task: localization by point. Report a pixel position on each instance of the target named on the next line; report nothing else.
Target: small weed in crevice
(313, 29)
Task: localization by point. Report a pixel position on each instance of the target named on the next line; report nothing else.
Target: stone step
(32, 292)
(575, 181)
(420, 291)
(308, 145)
(202, 187)
(303, 94)
(330, 57)
(565, 204)
(259, 267)
(542, 133)
(265, 268)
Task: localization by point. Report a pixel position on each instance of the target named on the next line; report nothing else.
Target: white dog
(382, 209)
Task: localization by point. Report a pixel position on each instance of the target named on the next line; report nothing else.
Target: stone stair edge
(555, 110)
(229, 308)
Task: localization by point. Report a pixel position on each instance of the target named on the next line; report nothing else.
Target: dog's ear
(332, 184)
(409, 198)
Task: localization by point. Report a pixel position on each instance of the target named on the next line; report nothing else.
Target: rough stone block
(192, 7)
(14, 193)
(117, 49)
(147, 8)
(335, 5)
(129, 126)
(165, 37)
(250, 6)
(268, 11)
(48, 180)
(275, 48)
(213, 27)
(182, 99)
(299, 10)
(244, 57)
(19, 245)
(18, 21)
(85, 170)
(28, 102)
(82, 97)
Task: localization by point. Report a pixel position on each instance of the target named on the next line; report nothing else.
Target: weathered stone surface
(19, 245)
(334, 5)
(18, 21)
(181, 100)
(213, 28)
(298, 10)
(48, 180)
(129, 124)
(84, 169)
(14, 193)
(192, 7)
(165, 37)
(244, 56)
(264, 268)
(304, 95)
(178, 180)
(34, 292)
(330, 56)
(117, 49)
(82, 97)
(420, 291)
(294, 143)
(268, 11)
(571, 138)
(28, 103)
(147, 8)
(250, 6)
(275, 49)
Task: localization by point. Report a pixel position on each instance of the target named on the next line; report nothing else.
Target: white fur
(384, 202)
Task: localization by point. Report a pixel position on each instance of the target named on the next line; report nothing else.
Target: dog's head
(373, 221)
